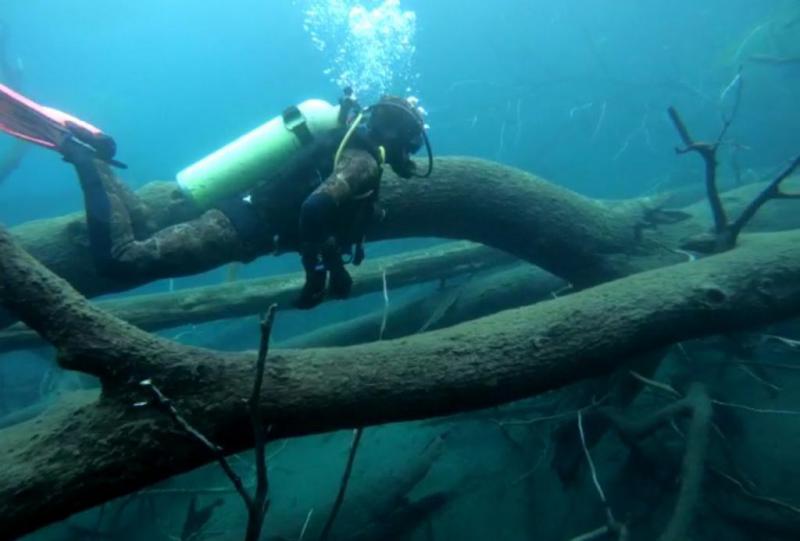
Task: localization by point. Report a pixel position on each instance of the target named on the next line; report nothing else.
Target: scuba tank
(256, 156)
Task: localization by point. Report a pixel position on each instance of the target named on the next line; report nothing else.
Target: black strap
(295, 122)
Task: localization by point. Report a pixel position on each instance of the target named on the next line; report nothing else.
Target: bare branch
(357, 433)
(727, 233)
(708, 152)
(257, 504)
(166, 404)
(593, 470)
(260, 502)
(772, 191)
(736, 86)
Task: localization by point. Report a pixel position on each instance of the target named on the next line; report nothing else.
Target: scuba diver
(307, 180)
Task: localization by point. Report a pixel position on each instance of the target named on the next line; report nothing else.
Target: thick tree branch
(569, 235)
(247, 297)
(89, 450)
(453, 304)
(154, 312)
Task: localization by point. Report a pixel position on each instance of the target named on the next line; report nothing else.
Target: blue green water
(575, 91)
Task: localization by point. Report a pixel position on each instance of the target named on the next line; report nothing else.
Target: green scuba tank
(257, 155)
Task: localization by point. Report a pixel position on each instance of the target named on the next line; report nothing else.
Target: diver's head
(398, 125)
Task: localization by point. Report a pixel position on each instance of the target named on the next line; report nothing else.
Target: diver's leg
(316, 219)
(313, 291)
(107, 217)
(215, 238)
(340, 282)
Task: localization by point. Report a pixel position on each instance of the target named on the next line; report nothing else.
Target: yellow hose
(346, 139)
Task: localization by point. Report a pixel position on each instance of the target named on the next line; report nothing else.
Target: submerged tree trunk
(91, 449)
(160, 311)
(455, 303)
(567, 234)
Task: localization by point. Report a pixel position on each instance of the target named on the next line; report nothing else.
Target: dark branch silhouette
(726, 232)
(257, 504)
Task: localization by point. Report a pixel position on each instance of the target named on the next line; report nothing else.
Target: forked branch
(257, 504)
(726, 232)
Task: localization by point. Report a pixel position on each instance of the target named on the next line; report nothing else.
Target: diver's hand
(406, 169)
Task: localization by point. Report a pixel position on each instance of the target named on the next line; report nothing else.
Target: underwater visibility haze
(400, 270)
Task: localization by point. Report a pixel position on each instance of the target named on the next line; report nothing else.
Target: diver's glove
(404, 169)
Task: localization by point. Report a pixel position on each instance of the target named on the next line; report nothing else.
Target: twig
(599, 533)
(655, 384)
(763, 381)
(357, 433)
(258, 504)
(279, 451)
(787, 342)
(672, 391)
(595, 480)
(612, 526)
(305, 525)
(736, 85)
(261, 502)
(535, 468)
(748, 493)
(535, 420)
(690, 257)
(166, 404)
(751, 409)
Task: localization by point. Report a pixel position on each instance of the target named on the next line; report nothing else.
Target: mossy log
(478, 297)
(90, 449)
(159, 311)
(581, 240)
(565, 233)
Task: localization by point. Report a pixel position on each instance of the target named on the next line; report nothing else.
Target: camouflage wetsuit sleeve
(354, 187)
(126, 245)
(356, 178)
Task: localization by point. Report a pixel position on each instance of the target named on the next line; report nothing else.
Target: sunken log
(93, 448)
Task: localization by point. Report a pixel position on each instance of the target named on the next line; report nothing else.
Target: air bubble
(373, 43)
